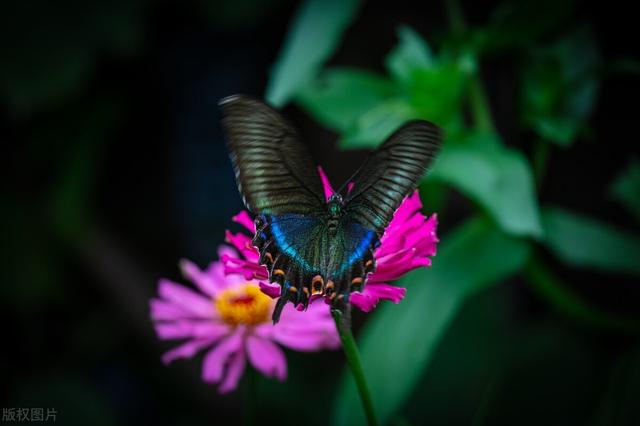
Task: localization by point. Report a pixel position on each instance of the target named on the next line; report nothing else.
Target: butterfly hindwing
(273, 171)
(307, 260)
(391, 173)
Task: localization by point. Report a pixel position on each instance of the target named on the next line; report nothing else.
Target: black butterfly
(310, 246)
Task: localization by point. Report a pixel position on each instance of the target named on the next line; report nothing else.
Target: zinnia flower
(232, 317)
(408, 242)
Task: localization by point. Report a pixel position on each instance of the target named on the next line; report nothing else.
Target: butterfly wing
(308, 260)
(273, 170)
(391, 173)
(279, 184)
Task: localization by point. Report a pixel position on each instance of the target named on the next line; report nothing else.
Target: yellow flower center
(245, 305)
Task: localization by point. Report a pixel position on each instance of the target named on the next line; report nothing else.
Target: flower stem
(480, 110)
(355, 364)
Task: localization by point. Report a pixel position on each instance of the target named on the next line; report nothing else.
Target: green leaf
(410, 54)
(432, 86)
(437, 92)
(561, 297)
(560, 87)
(497, 178)
(626, 188)
(313, 36)
(398, 342)
(585, 242)
(340, 96)
(375, 125)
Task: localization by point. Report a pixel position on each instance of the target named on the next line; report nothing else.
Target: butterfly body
(312, 256)
(317, 246)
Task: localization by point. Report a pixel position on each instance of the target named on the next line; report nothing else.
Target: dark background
(115, 168)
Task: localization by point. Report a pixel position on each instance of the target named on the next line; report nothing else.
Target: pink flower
(232, 317)
(408, 243)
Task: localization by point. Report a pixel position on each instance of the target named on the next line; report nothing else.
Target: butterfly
(313, 247)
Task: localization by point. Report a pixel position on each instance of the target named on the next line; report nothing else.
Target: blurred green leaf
(626, 188)
(568, 302)
(313, 36)
(366, 108)
(398, 342)
(585, 242)
(375, 125)
(432, 86)
(560, 87)
(497, 178)
(410, 54)
(436, 93)
(339, 96)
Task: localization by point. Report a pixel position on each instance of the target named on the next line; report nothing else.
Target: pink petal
(217, 273)
(187, 350)
(242, 243)
(311, 330)
(270, 289)
(267, 357)
(373, 292)
(215, 361)
(190, 328)
(308, 343)
(248, 269)
(186, 299)
(326, 185)
(244, 219)
(234, 373)
(162, 310)
(200, 278)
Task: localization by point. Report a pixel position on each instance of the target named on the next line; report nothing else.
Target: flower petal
(216, 269)
(326, 185)
(215, 361)
(308, 331)
(200, 278)
(243, 244)
(247, 268)
(187, 350)
(373, 292)
(163, 310)
(270, 289)
(186, 299)
(234, 373)
(267, 357)
(190, 328)
(244, 219)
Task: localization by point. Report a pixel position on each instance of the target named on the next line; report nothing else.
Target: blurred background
(115, 168)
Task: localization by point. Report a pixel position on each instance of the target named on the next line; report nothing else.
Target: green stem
(477, 95)
(355, 364)
(480, 105)
(541, 150)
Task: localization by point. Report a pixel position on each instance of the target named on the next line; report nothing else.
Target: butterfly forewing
(273, 171)
(391, 173)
